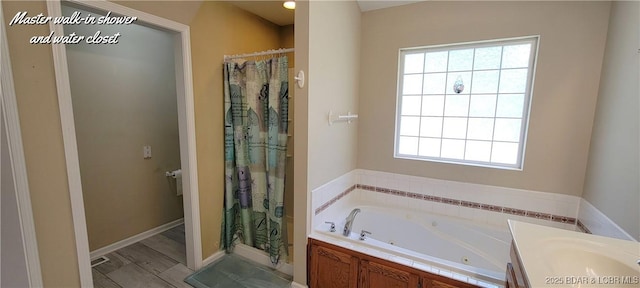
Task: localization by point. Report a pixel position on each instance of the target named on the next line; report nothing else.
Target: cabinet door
(332, 269)
(377, 275)
(510, 279)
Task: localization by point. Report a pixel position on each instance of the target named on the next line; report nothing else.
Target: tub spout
(349, 223)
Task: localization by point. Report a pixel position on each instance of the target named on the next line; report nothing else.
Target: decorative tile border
(456, 202)
(334, 199)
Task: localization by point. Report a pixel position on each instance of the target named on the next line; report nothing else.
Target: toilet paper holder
(177, 175)
(173, 174)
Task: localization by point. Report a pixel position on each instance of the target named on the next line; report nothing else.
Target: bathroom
(559, 131)
(565, 172)
(355, 70)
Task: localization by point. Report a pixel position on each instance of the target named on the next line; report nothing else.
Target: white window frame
(528, 95)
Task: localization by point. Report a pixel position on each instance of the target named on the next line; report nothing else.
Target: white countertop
(553, 257)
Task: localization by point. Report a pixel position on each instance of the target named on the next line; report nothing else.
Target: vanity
(550, 257)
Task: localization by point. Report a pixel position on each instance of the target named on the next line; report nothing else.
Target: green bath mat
(233, 271)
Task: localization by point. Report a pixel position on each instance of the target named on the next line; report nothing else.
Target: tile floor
(158, 261)
(233, 271)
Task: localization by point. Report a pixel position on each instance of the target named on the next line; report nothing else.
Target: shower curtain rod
(267, 52)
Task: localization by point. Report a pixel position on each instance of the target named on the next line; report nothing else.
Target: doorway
(126, 122)
(80, 158)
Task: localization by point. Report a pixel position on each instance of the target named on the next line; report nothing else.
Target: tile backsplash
(547, 203)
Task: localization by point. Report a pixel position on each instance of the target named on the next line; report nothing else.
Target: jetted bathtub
(448, 246)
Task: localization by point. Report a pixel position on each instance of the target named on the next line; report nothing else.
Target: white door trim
(9, 106)
(186, 124)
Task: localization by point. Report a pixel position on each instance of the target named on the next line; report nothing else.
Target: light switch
(146, 152)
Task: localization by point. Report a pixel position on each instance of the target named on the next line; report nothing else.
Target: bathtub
(451, 247)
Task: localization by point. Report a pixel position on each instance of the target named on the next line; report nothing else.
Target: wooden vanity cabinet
(378, 275)
(330, 266)
(515, 277)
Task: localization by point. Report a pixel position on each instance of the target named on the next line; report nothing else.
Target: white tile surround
(508, 203)
(332, 202)
(599, 224)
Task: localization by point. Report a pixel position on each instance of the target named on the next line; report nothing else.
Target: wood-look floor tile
(115, 262)
(147, 258)
(176, 274)
(176, 234)
(102, 281)
(134, 276)
(167, 247)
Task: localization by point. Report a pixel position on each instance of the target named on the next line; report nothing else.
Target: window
(466, 103)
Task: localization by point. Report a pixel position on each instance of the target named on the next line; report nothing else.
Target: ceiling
(275, 13)
(368, 5)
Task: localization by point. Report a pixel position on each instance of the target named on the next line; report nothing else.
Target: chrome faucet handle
(363, 234)
(333, 226)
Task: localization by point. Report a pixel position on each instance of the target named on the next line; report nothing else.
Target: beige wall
(334, 55)
(34, 79)
(218, 29)
(35, 86)
(611, 184)
(176, 10)
(328, 53)
(301, 143)
(571, 47)
(126, 103)
(287, 40)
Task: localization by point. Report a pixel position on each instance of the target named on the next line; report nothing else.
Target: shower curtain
(256, 112)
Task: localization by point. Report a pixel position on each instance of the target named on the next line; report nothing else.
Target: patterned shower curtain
(256, 111)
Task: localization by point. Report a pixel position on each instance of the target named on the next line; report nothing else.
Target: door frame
(186, 124)
(9, 106)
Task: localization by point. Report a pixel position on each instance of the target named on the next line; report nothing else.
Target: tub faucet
(350, 218)
(363, 235)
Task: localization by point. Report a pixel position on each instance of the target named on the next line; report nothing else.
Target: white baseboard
(261, 257)
(297, 285)
(213, 258)
(135, 238)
